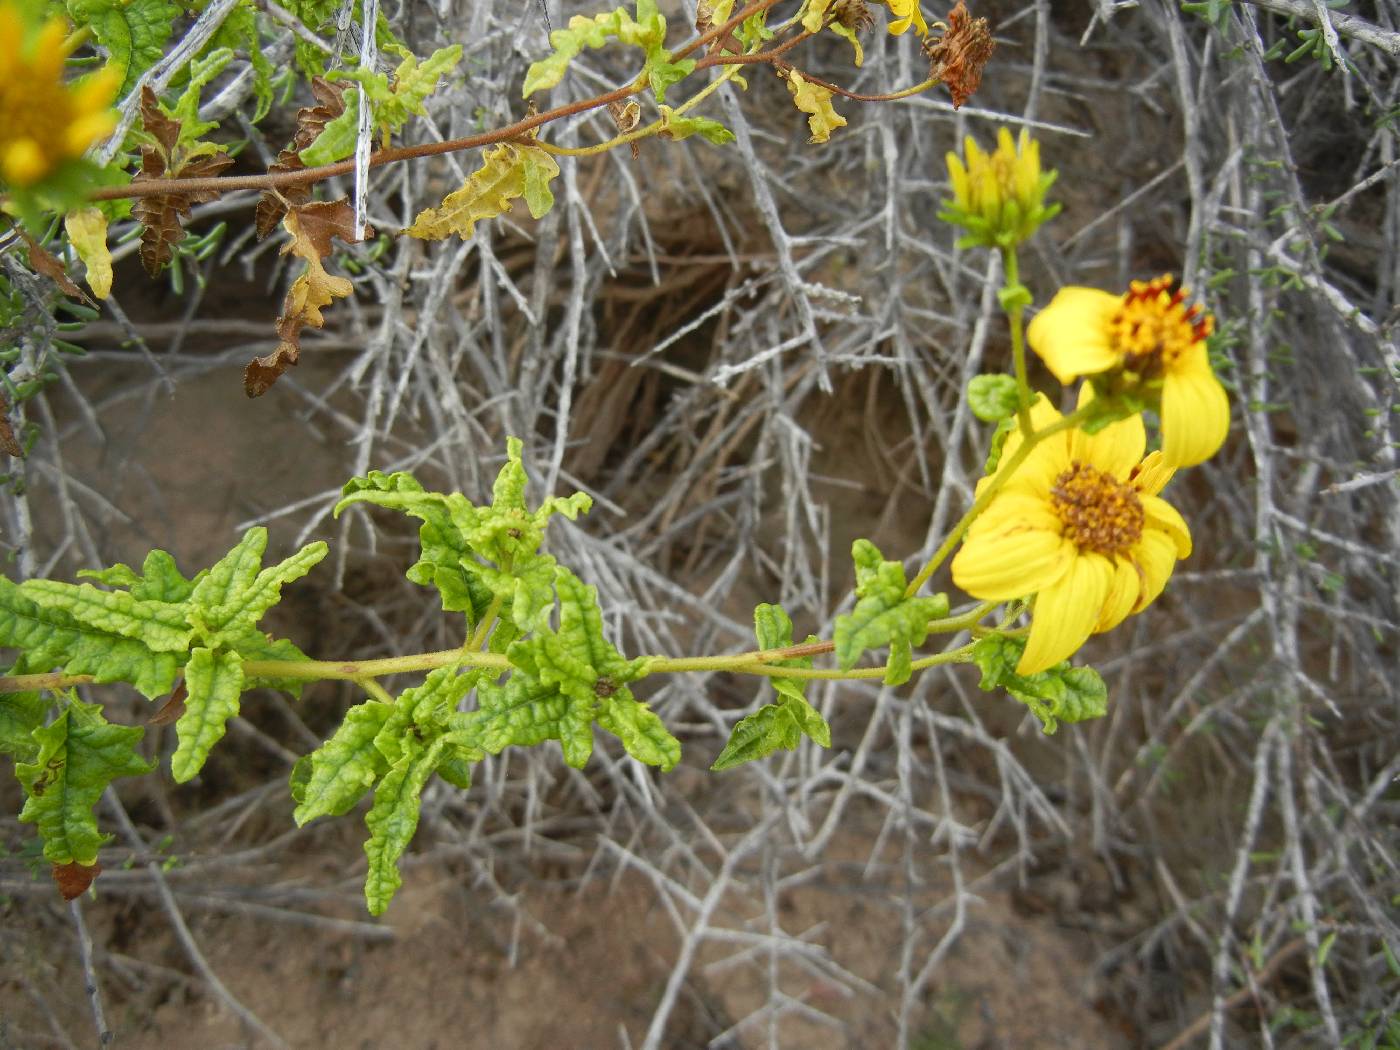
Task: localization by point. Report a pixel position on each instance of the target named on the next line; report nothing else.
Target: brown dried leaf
(165, 130)
(8, 443)
(73, 878)
(172, 709)
(163, 214)
(311, 121)
(958, 56)
(312, 226)
(42, 261)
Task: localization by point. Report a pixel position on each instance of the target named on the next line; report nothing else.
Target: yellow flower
(907, 13)
(1146, 342)
(1079, 525)
(44, 122)
(999, 197)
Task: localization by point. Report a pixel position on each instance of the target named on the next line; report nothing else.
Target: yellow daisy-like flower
(906, 13)
(1079, 525)
(1152, 344)
(999, 197)
(44, 122)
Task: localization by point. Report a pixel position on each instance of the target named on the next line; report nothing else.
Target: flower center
(1099, 512)
(1154, 328)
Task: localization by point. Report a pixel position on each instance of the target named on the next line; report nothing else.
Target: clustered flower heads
(1078, 526)
(43, 121)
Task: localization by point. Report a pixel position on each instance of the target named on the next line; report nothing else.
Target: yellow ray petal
(1163, 517)
(1152, 474)
(1011, 563)
(1116, 449)
(1071, 335)
(1195, 412)
(1066, 612)
(1155, 555)
(1122, 596)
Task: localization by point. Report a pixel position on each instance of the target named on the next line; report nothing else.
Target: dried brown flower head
(852, 14)
(956, 58)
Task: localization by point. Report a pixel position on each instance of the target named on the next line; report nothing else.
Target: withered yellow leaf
(508, 171)
(87, 231)
(815, 100)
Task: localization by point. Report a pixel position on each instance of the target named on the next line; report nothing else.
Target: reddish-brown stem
(272, 181)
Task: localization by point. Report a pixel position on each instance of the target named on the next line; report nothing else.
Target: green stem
(1016, 317)
(993, 486)
(483, 629)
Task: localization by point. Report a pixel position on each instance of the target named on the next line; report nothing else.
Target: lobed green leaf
(20, 715)
(237, 590)
(1060, 694)
(393, 819)
(883, 616)
(345, 767)
(50, 639)
(159, 626)
(214, 680)
(770, 728)
(80, 753)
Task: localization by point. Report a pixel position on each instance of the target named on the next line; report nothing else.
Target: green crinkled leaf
(565, 681)
(52, 639)
(20, 715)
(160, 580)
(770, 728)
(186, 110)
(584, 32)
(421, 713)
(1060, 694)
(525, 712)
(392, 820)
(457, 761)
(134, 32)
(159, 626)
(445, 551)
(883, 616)
(643, 734)
(773, 629)
(993, 397)
(80, 753)
(683, 127)
(236, 592)
(392, 103)
(781, 725)
(662, 71)
(214, 679)
(345, 767)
